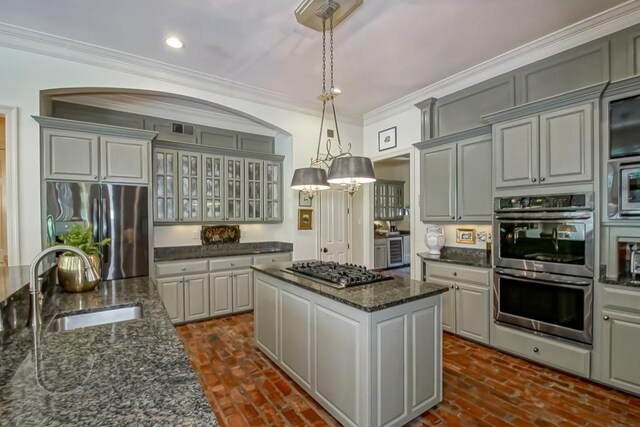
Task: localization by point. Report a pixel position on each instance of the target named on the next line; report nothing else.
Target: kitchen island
(134, 372)
(371, 354)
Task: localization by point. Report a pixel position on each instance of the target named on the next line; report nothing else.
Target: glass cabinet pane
(164, 185)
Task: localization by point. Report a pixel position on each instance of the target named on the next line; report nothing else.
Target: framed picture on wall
(304, 200)
(387, 139)
(466, 235)
(305, 219)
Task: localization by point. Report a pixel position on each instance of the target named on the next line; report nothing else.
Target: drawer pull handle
(605, 317)
(536, 349)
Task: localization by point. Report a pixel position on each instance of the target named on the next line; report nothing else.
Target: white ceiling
(386, 49)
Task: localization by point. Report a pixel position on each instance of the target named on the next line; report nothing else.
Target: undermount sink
(68, 322)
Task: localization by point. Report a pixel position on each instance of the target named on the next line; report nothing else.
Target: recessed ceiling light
(174, 42)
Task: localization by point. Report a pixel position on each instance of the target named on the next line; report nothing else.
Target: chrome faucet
(35, 309)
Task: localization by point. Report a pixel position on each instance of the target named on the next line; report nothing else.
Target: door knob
(325, 250)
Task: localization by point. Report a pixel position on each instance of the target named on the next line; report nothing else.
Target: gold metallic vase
(71, 273)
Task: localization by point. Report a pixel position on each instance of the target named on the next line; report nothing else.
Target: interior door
(334, 225)
(3, 207)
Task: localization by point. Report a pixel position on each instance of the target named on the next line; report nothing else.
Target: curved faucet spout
(90, 273)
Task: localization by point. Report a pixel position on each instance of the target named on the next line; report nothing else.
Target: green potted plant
(70, 267)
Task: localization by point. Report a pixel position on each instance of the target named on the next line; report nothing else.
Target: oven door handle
(545, 215)
(544, 277)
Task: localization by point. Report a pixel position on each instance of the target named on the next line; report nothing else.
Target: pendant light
(344, 169)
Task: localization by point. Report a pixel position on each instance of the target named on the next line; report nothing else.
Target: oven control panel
(547, 203)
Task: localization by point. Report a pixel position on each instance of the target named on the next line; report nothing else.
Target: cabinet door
(380, 255)
(242, 290)
(448, 303)
(234, 188)
(70, 155)
(406, 250)
(566, 145)
(273, 191)
(213, 206)
(190, 186)
(377, 202)
(516, 151)
(196, 297)
(266, 331)
(472, 312)
(438, 183)
(221, 293)
(172, 294)
(124, 160)
(621, 347)
(165, 182)
(474, 181)
(254, 183)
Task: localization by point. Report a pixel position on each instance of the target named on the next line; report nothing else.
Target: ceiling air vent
(182, 128)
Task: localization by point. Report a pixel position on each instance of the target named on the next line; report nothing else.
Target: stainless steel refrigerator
(119, 212)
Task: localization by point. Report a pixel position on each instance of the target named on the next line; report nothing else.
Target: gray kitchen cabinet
(172, 294)
(272, 192)
(220, 293)
(165, 180)
(388, 204)
(190, 186)
(455, 183)
(213, 205)
(234, 188)
(256, 143)
(465, 308)
(254, 184)
(242, 290)
(196, 297)
(621, 339)
(267, 309)
(219, 138)
(70, 155)
(171, 130)
(380, 254)
(406, 249)
(272, 258)
(553, 147)
(124, 160)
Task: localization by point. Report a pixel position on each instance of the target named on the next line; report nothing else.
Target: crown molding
(75, 125)
(20, 38)
(592, 28)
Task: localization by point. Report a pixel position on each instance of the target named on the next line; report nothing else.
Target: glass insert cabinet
(204, 187)
(388, 200)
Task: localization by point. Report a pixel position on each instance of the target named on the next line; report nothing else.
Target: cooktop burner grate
(335, 274)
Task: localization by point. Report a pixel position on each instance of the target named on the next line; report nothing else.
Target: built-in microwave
(623, 185)
(624, 128)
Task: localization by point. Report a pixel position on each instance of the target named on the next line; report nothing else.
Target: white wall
(25, 74)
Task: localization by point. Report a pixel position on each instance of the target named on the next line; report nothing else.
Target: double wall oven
(543, 276)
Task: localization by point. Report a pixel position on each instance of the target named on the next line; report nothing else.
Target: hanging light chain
(331, 47)
(324, 55)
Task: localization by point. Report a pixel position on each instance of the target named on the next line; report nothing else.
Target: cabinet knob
(605, 317)
(184, 268)
(459, 217)
(104, 177)
(533, 180)
(542, 179)
(457, 287)
(233, 264)
(230, 274)
(273, 260)
(95, 176)
(454, 273)
(536, 349)
(453, 217)
(451, 286)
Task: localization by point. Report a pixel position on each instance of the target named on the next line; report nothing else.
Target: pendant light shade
(351, 170)
(309, 180)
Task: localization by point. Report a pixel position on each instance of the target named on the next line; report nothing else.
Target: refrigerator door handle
(105, 230)
(94, 220)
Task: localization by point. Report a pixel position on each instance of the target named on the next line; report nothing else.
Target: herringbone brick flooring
(482, 387)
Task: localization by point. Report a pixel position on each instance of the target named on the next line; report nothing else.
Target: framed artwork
(304, 200)
(387, 139)
(305, 219)
(466, 235)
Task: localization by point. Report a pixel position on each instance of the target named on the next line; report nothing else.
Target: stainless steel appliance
(623, 188)
(543, 280)
(119, 212)
(336, 275)
(624, 127)
(634, 266)
(394, 251)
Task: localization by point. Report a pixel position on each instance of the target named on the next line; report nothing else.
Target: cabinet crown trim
(454, 137)
(588, 93)
(203, 149)
(97, 128)
(621, 87)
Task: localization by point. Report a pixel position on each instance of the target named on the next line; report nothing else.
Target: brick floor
(482, 387)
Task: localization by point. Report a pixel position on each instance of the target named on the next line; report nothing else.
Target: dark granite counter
(176, 253)
(12, 279)
(371, 297)
(623, 280)
(128, 373)
(461, 256)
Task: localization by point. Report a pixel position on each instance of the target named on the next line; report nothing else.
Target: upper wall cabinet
(455, 177)
(388, 200)
(78, 151)
(554, 145)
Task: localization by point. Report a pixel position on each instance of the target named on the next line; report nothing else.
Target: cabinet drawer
(272, 258)
(230, 263)
(628, 298)
(478, 276)
(549, 352)
(180, 268)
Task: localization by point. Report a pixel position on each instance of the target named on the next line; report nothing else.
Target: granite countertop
(128, 373)
(177, 253)
(623, 280)
(12, 279)
(371, 297)
(461, 256)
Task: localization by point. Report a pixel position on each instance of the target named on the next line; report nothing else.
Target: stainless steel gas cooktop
(335, 274)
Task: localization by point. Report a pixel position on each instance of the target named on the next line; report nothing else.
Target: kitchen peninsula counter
(461, 256)
(178, 253)
(369, 354)
(129, 373)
